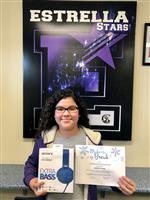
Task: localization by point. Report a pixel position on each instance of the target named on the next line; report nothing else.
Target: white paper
(99, 165)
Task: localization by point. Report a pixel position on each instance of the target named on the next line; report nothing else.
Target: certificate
(99, 165)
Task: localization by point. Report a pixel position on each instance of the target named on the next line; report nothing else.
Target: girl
(64, 121)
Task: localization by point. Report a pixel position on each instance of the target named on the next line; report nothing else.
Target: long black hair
(47, 119)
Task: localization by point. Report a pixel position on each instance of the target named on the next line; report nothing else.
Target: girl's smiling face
(67, 114)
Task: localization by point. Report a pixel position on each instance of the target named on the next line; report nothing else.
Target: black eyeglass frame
(63, 109)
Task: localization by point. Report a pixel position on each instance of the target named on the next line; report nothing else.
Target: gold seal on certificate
(99, 165)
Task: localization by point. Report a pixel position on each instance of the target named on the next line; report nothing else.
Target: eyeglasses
(70, 109)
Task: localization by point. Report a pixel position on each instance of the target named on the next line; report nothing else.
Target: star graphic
(97, 44)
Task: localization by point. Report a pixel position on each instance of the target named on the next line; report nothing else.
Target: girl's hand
(35, 186)
(126, 185)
